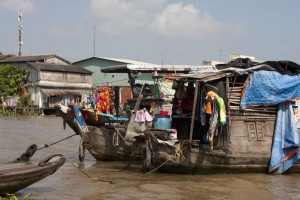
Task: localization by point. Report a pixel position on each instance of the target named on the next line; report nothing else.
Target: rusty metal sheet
(49, 92)
(203, 77)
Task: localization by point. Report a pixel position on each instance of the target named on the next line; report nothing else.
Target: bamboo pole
(194, 111)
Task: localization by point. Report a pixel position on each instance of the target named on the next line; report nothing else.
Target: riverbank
(15, 110)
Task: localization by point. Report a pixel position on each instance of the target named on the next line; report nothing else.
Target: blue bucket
(162, 122)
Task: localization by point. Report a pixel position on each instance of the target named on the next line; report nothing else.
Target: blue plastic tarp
(270, 87)
(113, 118)
(285, 149)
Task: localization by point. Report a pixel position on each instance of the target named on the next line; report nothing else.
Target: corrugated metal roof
(59, 68)
(51, 92)
(203, 77)
(36, 58)
(125, 61)
(152, 67)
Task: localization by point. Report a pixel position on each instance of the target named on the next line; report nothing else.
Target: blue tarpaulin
(270, 87)
(285, 140)
(112, 118)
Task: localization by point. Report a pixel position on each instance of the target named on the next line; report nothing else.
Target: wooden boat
(243, 144)
(104, 142)
(110, 138)
(14, 177)
(107, 137)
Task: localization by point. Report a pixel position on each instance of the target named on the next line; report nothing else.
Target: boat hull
(187, 158)
(14, 177)
(104, 143)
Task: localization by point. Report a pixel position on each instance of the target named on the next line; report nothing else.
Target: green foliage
(12, 79)
(8, 196)
(33, 193)
(6, 56)
(25, 100)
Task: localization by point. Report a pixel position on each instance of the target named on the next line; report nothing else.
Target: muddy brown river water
(18, 133)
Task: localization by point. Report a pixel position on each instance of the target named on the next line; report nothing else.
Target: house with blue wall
(95, 64)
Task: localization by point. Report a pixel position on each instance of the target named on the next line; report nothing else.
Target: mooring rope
(48, 145)
(33, 148)
(118, 132)
(178, 153)
(93, 178)
(157, 167)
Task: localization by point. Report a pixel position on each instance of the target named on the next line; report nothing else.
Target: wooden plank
(252, 114)
(238, 87)
(258, 108)
(235, 103)
(251, 110)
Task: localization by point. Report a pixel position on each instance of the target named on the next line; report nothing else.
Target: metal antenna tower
(20, 33)
(94, 41)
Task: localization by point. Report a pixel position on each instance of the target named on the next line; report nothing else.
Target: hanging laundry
(203, 106)
(181, 91)
(208, 107)
(222, 111)
(112, 101)
(143, 116)
(188, 101)
(103, 100)
(213, 122)
(221, 106)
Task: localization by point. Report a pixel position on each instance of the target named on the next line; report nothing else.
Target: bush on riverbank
(25, 107)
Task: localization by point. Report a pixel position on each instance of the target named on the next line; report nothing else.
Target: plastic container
(162, 122)
(163, 112)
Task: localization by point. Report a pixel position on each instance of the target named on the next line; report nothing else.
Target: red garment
(85, 114)
(103, 103)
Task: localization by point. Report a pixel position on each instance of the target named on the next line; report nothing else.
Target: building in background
(52, 79)
(100, 79)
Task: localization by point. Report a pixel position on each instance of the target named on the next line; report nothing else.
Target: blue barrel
(162, 122)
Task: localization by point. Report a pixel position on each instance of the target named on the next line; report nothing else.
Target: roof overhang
(202, 77)
(152, 68)
(51, 92)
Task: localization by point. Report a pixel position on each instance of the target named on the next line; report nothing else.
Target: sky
(156, 31)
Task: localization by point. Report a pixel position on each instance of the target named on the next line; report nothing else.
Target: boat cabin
(154, 90)
(245, 131)
(235, 115)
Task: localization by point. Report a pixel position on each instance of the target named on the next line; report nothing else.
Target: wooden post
(3, 106)
(228, 112)
(194, 111)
